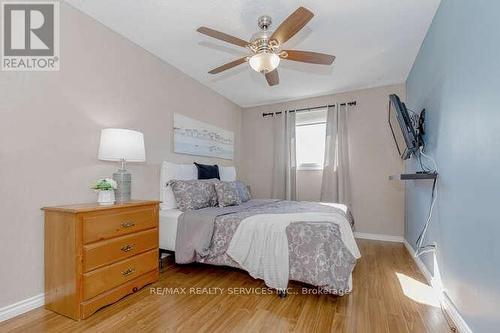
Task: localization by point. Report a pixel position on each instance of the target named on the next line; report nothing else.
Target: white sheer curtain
(336, 186)
(285, 164)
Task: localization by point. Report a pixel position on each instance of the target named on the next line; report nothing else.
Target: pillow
(227, 173)
(243, 191)
(170, 171)
(207, 171)
(194, 194)
(227, 194)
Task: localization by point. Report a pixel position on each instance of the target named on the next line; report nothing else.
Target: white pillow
(227, 174)
(171, 171)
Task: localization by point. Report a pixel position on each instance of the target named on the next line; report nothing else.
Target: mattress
(168, 228)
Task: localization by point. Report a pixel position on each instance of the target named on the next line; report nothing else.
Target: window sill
(310, 168)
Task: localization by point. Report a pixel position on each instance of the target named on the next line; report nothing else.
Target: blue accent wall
(456, 78)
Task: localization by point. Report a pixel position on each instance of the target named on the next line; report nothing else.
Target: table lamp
(122, 145)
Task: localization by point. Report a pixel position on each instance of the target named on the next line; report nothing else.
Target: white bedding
(168, 228)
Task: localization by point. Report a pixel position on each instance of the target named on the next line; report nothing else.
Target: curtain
(285, 165)
(335, 185)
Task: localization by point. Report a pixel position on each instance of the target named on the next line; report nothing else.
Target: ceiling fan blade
(309, 57)
(222, 36)
(273, 78)
(292, 24)
(228, 65)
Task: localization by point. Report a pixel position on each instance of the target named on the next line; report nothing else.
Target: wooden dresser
(95, 255)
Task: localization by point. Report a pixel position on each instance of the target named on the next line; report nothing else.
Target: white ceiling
(375, 41)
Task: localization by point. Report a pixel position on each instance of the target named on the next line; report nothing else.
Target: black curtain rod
(308, 109)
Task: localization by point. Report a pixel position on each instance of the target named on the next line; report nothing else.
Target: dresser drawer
(109, 277)
(108, 251)
(113, 295)
(104, 226)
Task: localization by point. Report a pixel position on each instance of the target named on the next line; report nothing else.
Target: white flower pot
(106, 198)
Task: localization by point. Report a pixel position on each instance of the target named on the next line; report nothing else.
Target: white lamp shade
(264, 62)
(121, 144)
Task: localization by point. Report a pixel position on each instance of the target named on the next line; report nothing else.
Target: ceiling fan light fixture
(264, 62)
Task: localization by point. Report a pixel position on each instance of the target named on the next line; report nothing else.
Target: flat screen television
(402, 128)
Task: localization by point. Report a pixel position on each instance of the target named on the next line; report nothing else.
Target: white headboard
(171, 171)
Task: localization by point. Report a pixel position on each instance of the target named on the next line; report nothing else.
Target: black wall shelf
(414, 176)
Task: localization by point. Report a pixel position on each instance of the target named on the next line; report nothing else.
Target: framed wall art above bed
(195, 137)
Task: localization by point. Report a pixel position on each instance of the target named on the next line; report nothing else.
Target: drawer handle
(128, 224)
(128, 272)
(128, 247)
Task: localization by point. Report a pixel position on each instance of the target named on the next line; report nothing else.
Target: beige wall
(49, 133)
(378, 204)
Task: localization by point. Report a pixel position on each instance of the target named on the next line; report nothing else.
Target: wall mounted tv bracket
(418, 123)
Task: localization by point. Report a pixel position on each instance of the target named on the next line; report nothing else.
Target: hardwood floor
(377, 303)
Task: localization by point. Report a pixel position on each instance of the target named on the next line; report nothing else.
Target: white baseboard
(446, 302)
(21, 307)
(455, 316)
(379, 237)
(423, 269)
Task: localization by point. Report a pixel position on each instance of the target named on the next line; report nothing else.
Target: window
(310, 133)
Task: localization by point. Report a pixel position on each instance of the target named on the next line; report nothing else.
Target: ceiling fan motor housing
(265, 59)
(261, 40)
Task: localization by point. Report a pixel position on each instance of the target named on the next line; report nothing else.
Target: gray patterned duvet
(317, 254)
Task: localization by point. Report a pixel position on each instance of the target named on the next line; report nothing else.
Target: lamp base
(124, 181)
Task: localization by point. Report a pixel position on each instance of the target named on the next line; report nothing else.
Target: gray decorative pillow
(194, 194)
(243, 191)
(227, 194)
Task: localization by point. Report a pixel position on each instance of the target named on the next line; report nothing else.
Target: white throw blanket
(260, 244)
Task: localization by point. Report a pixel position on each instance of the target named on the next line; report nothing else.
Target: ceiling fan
(266, 46)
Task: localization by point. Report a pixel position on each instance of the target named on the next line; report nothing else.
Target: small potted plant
(105, 189)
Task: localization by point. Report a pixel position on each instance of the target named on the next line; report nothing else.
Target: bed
(273, 240)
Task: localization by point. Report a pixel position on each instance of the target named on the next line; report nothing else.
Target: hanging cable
(428, 248)
(420, 240)
(435, 169)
